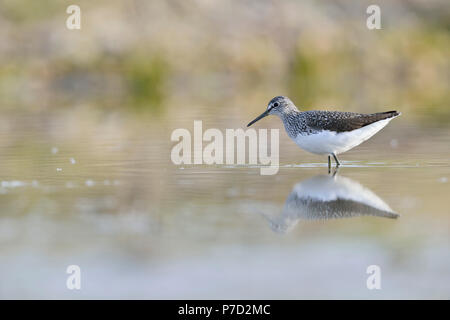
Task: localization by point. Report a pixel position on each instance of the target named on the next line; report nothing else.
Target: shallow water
(100, 191)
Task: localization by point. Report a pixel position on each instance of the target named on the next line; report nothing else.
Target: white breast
(326, 142)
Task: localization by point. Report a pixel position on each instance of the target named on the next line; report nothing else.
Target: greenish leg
(329, 164)
(335, 171)
(336, 159)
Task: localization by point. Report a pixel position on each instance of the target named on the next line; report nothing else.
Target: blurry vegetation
(332, 74)
(145, 79)
(24, 11)
(410, 72)
(148, 55)
(134, 80)
(303, 82)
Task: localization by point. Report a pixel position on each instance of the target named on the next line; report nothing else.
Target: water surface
(100, 191)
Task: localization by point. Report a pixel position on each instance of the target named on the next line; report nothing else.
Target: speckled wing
(344, 121)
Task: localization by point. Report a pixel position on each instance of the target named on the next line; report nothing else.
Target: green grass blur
(151, 56)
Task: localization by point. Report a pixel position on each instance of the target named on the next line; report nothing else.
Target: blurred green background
(87, 115)
(134, 56)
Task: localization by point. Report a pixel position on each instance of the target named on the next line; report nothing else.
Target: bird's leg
(335, 172)
(336, 159)
(329, 164)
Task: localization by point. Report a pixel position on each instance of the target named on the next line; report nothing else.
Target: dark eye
(276, 104)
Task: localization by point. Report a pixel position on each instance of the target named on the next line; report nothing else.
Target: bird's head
(277, 106)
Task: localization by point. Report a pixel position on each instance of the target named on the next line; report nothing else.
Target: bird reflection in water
(326, 197)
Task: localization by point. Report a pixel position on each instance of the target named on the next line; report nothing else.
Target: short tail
(367, 119)
(387, 114)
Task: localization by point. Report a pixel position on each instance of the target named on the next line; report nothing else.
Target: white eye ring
(276, 104)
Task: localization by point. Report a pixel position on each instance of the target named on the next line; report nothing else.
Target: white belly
(327, 142)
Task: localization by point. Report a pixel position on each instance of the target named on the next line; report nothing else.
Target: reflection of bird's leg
(336, 159)
(329, 164)
(335, 172)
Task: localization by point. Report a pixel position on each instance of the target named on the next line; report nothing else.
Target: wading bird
(326, 132)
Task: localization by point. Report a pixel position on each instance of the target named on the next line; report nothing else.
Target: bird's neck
(292, 121)
(290, 110)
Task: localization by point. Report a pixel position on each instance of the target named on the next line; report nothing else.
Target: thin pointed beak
(264, 114)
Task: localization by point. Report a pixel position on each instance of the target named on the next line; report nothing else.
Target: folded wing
(344, 121)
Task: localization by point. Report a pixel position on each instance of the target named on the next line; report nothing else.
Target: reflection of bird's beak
(264, 114)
